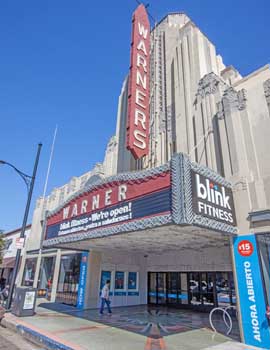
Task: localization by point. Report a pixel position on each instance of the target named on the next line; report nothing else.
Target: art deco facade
(206, 110)
(220, 121)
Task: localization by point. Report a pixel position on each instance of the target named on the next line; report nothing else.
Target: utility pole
(18, 254)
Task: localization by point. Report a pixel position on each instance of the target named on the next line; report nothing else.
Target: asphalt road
(12, 341)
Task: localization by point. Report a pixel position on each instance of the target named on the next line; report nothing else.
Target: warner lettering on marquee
(111, 204)
(138, 95)
(212, 200)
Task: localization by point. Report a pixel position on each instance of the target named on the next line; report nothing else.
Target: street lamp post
(29, 181)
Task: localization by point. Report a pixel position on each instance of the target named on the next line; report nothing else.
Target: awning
(8, 263)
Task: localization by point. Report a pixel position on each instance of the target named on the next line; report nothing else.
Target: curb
(41, 339)
(34, 336)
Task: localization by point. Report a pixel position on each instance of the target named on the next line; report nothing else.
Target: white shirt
(105, 292)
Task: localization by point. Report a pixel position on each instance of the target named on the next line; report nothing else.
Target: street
(12, 341)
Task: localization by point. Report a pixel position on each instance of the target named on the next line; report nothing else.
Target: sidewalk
(54, 330)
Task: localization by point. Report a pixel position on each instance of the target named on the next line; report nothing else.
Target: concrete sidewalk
(54, 330)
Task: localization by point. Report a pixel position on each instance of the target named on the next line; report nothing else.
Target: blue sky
(63, 62)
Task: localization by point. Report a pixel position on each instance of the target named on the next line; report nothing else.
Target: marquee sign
(177, 193)
(112, 203)
(212, 199)
(138, 96)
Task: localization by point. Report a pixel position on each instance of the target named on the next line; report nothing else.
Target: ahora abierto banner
(255, 324)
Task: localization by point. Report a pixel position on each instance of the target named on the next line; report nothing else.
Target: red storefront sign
(139, 89)
(112, 204)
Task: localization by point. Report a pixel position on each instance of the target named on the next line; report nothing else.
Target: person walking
(105, 298)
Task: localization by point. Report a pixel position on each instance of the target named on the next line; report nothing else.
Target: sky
(63, 62)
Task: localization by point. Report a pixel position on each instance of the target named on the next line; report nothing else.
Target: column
(56, 274)
(93, 279)
(37, 269)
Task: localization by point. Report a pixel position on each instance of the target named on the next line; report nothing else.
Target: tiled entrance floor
(149, 321)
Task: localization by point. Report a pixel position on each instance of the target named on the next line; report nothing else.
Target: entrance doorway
(197, 290)
(68, 280)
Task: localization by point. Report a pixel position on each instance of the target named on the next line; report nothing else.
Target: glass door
(152, 287)
(195, 288)
(183, 294)
(223, 289)
(68, 281)
(207, 288)
(46, 277)
(173, 287)
(161, 288)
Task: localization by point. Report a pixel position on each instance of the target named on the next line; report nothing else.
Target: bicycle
(225, 316)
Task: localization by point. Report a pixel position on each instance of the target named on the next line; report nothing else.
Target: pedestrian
(105, 298)
(2, 283)
(4, 295)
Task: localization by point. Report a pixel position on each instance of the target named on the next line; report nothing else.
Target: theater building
(178, 214)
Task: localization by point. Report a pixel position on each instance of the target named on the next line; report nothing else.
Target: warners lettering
(116, 202)
(138, 103)
(143, 32)
(212, 199)
(94, 202)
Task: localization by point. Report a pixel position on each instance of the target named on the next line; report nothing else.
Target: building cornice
(251, 75)
(260, 215)
(17, 230)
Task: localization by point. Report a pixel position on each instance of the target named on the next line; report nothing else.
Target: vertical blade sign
(138, 95)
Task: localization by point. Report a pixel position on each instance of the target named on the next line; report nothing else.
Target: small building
(9, 252)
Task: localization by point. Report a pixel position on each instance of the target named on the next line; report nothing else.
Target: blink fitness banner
(112, 204)
(251, 294)
(82, 280)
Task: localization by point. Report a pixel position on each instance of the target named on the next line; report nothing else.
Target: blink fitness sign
(251, 294)
(138, 96)
(212, 199)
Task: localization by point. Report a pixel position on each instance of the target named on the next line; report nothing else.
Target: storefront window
(223, 288)
(29, 272)
(68, 281)
(264, 253)
(46, 277)
(196, 289)
(119, 280)
(105, 275)
(132, 280)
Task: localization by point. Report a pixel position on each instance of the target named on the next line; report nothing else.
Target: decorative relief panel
(266, 86)
(209, 84)
(233, 99)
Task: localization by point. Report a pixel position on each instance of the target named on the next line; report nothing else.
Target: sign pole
(18, 254)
